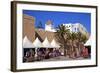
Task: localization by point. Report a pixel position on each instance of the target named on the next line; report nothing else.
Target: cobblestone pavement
(63, 58)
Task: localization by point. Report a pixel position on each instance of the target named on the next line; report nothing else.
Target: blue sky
(60, 17)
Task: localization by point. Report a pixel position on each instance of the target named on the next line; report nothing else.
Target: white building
(77, 27)
(49, 26)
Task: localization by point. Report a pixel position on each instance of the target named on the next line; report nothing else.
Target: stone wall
(28, 27)
(42, 34)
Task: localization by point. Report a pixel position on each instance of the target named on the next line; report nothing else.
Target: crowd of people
(41, 54)
(32, 54)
